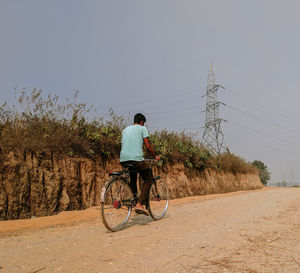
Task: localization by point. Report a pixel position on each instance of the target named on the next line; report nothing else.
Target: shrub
(263, 171)
(180, 147)
(233, 163)
(36, 124)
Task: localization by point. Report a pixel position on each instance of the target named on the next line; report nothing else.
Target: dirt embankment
(42, 184)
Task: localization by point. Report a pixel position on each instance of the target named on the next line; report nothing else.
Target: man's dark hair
(138, 118)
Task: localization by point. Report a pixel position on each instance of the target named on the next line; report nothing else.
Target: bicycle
(117, 199)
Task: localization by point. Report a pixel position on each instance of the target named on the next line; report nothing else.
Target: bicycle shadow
(141, 220)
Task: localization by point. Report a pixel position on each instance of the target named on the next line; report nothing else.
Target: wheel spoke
(158, 199)
(115, 210)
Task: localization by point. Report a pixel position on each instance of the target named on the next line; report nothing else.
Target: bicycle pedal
(117, 204)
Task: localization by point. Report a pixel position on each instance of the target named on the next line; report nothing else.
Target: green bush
(263, 171)
(180, 147)
(36, 124)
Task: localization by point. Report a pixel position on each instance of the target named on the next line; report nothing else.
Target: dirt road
(255, 231)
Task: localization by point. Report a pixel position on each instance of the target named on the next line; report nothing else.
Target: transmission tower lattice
(212, 135)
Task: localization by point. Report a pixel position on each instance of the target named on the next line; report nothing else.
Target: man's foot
(142, 211)
(139, 208)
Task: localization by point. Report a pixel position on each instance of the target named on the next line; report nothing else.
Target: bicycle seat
(128, 165)
(116, 173)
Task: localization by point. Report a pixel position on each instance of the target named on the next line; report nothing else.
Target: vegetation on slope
(35, 123)
(263, 171)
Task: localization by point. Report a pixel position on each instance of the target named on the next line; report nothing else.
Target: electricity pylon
(212, 135)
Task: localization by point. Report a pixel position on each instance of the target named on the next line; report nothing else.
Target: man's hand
(149, 147)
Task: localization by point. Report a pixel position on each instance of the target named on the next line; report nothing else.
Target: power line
(175, 110)
(260, 144)
(179, 115)
(193, 130)
(264, 134)
(179, 129)
(171, 118)
(258, 118)
(263, 106)
(173, 123)
(173, 103)
(174, 127)
(236, 124)
(151, 107)
(149, 100)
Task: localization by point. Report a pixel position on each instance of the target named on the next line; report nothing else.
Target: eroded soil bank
(43, 184)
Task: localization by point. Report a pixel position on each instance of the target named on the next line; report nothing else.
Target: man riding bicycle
(133, 138)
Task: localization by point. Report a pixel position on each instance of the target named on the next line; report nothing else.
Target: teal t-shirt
(132, 143)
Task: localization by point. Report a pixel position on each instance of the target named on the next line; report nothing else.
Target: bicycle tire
(158, 198)
(116, 205)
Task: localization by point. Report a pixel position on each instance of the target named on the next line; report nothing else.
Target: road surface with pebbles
(249, 231)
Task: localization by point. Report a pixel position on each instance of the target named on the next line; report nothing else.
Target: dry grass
(233, 163)
(34, 123)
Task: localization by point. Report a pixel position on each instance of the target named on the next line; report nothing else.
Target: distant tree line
(286, 184)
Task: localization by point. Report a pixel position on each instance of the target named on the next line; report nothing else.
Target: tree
(263, 171)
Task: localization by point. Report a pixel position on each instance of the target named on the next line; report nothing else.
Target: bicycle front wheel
(158, 198)
(116, 204)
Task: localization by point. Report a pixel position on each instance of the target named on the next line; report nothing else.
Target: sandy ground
(254, 231)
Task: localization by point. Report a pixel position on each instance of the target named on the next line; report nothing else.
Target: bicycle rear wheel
(158, 198)
(116, 204)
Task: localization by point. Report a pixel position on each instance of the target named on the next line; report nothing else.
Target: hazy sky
(119, 52)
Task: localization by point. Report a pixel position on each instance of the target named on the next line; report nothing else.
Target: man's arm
(150, 149)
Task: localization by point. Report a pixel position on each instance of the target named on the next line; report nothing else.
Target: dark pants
(145, 172)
